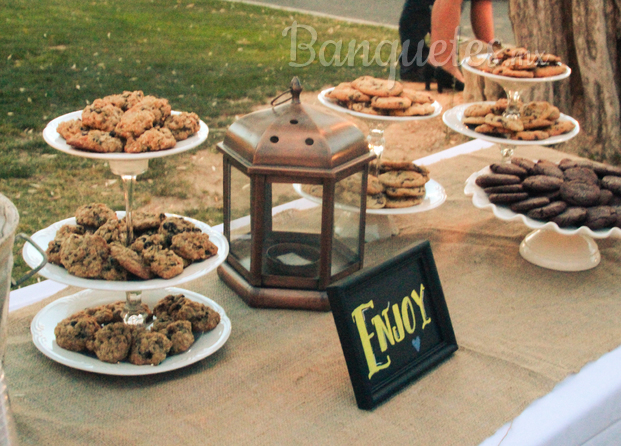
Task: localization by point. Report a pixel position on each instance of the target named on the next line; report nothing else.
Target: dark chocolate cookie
(612, 183)
(507, 198)
(508, 189)
(567, 163)
(603, 170)
(544, 167)
(542, 183)
(496, 179)
(571, 217)
(605, 197)
(547, 212)
(524, 163)
(600, 217)
(582, 174)
(531, 203)
(579, 193)
(508, 169)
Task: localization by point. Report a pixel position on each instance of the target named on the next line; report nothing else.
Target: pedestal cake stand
(128, 166)
(548, 245)
(514, 88)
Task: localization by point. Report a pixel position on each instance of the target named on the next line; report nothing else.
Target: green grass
(218, 59)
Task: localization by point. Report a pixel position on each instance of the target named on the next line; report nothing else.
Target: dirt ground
(404, 141)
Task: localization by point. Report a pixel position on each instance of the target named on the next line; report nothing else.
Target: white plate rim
(481, 201)
(513, 80)
(58, 274)
(331, 104)
(435, 196)
(42, 330)
(51, 137)
(453, 119)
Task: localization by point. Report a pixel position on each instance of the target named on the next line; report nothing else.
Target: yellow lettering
(419, 301)
(383, 330)
(365, 339)
(397, 331)
(407, 312)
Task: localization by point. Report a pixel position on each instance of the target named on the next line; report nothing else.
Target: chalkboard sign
(393, 323)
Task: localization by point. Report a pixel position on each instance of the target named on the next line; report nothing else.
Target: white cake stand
(377, 123)
(128, 166)
(514, 88)
(454, 117)
(548, 245)
(379, 222)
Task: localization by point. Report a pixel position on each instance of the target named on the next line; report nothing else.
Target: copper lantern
(284, 252)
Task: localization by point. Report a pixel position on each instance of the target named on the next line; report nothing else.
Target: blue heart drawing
(416, 343)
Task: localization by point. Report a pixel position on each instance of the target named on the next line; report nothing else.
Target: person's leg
(414, 25)
(482, 19)
(445, 19)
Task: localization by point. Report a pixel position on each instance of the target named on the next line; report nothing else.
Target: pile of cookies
(572, 193)
(96, 247)
(374, 96)
(400, 184)
(539, 120)
(129, 122)
(519, 63)
(176, 320)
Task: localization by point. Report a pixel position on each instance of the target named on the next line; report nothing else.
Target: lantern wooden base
(273, 297)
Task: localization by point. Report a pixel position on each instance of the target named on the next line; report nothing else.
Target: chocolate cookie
(567, 163)
(530, 203)
(542, 183)
(509, 169)
(543, 167)
(507, 198)
(546, 212)
(571, 217)
(496, 179)
(600, 217)
(508, 189)
(579, 193)
(612, 183)
(584, 174)
(603, 170)
(524, 163)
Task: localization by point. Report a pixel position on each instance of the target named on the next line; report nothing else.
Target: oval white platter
(435, 195)
(481, 201)
(332, 104)
(454, 117)
(51, 136)
(43, 324)
(57, 273)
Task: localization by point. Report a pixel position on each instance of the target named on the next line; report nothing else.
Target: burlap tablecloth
(281, 378)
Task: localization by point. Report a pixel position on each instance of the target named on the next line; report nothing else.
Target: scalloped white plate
(481, 201)
(54, 272)
(43, 324)
(331, 104)
(523, 82)
(51, 136)
(454, 117)
(435, 195)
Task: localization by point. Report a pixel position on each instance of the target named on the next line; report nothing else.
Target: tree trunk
(587, 36)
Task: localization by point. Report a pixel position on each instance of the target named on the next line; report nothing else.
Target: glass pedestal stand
(376, 141)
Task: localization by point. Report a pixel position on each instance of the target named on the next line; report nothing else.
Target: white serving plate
(513, 81)
(51, 136)
(43, 324)
(58, 274)
(435, 195)
(481, 201)
(453, 118)
(331, 104)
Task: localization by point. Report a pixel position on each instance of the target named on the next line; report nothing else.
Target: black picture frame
(393, 323)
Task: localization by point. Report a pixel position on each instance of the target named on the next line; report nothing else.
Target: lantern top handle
(294, 90)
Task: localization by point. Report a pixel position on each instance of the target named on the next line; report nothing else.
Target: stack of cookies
(374, 96)
(539, 120)
(400, 184)
(519, 63)
(101, 330)
(571, 194)
(129, 122)
(96, 247)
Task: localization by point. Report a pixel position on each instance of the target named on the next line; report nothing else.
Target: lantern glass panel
(292, 233)
(345, 243)
(241, 235)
